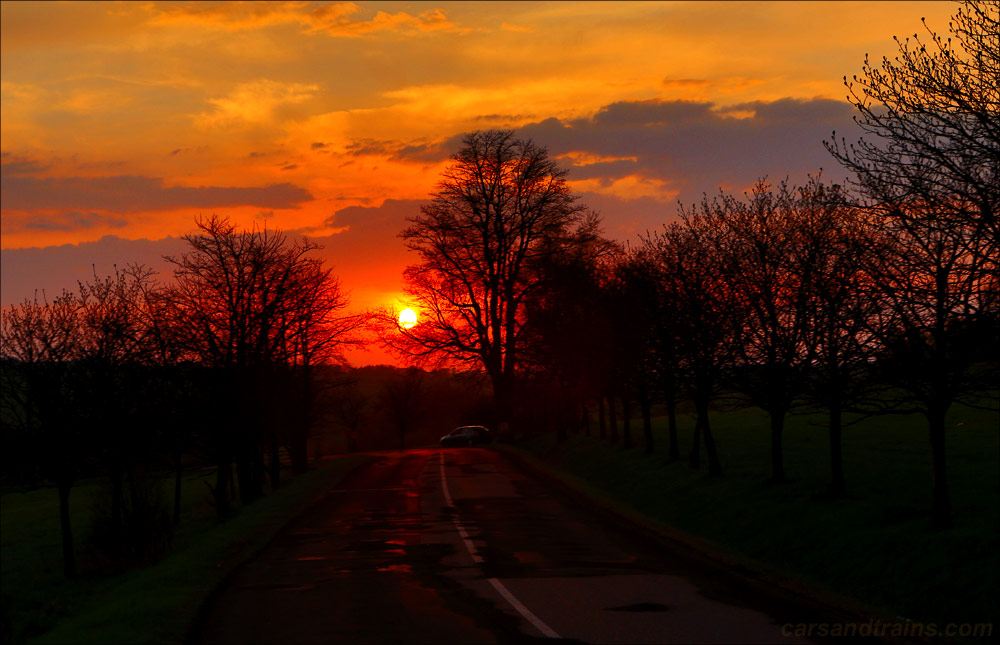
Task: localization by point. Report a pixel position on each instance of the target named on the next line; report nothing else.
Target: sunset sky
(123, 121)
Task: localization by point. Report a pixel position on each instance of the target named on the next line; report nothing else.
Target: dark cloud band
(133, 193)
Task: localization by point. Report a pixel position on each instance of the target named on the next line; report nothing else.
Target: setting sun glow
(407, 318)
(117, 135)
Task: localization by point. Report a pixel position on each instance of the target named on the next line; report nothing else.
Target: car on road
(467, 436)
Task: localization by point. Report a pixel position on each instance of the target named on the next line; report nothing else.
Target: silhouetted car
(467, 436)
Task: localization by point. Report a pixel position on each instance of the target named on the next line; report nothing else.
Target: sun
(407, 318)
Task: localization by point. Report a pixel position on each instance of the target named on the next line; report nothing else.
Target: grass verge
(157, 603)
(875, 546)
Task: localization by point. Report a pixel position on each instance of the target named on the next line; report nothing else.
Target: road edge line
(511, 599)
(521, 609)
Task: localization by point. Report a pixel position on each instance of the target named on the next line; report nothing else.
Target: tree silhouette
(769, 255)
(40, 345)
(568, 327)
(316, 331)
(847, 314)
(116, 352)
(501, 206)
(702, 317)
(632, 299)
(931, 122)
(939, 321)
(255, 307)
(929, 168)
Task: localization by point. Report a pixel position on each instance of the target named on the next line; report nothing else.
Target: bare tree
(942, 306)
(315, 330)
(701, 313)
(251, 305)
(500, 207)
(931, 122)
(929, 168)
(116, 352)
(770, 257)
(569, 331)
(40, 345)
(847, 313)
(632, 298)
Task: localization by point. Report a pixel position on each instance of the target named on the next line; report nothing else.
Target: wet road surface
(461, 546)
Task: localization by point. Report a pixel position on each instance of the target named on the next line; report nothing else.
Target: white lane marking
(524, 611)
(469, 546)
(499, 586)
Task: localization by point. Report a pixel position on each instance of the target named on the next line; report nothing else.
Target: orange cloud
(630, 187)
(335, 23)
(584, 158)
(337, 19)
(234, 16)
(684, 82)
(254, 103)
(509, 27)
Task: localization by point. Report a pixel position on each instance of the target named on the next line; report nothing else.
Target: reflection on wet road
(460, 546)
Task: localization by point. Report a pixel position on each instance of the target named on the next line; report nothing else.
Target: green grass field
(156, 603)
(876, 546)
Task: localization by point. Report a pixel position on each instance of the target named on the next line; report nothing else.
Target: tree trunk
(613, 417)
(275, 447)
(298, 444)
(562, 418)
(838, 486)
(602, 418)
(647, 420)
(178, 475)
(244, 474)
(298, 450)
(674, 448)
(941, 501)
(503, 403)
(69, 554)
(117, 494)
(246, 434)
(259, 468)
(250, 460)
(627, 417)
(714, 467)
(694, 457)
(777, 461)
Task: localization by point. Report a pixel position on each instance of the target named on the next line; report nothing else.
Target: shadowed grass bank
(876, 546)
(154, 604)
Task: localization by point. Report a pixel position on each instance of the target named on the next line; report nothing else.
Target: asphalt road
(462, 546)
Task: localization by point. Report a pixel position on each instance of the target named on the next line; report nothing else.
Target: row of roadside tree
(126, 374)
(880, 296)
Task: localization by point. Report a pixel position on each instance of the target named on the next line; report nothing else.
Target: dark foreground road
(460, 546)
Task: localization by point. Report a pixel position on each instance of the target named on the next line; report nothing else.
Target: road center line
(499, 586)
(469, 546)
(521, 609)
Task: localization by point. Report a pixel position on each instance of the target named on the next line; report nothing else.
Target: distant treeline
(228, 365)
